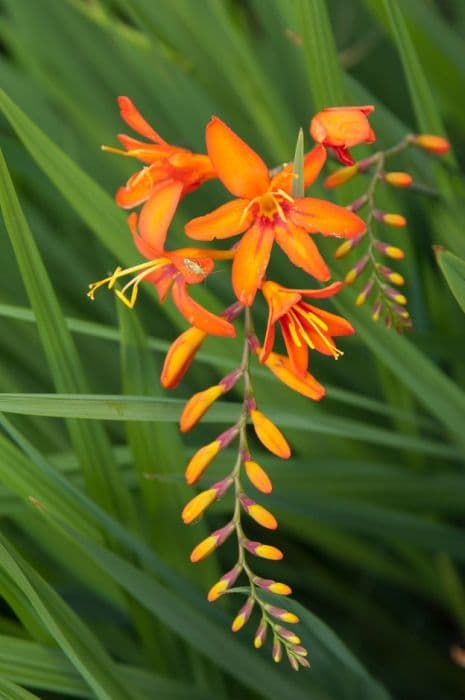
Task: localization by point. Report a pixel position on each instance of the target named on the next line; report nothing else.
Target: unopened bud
(398, 179)
(260, 634)
(243, 615)
(288, 635)
(389, 250)
(258, 476)
(261, 515)
(225, 582)
(269, 435)
(390, 275)
(277, 651)
(431, 143)
(292, 661)
(273, 586)
(210, 543)
(339, 177)
(396, 220)
(347, 246)
(365, 293)
(358, 268)
(265, 551)
(282, 614)
(376, 309)
(198, 405)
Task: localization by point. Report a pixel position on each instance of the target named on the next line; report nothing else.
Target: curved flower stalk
(264, 210)
(380, 281)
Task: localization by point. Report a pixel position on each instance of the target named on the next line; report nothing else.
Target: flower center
(142, 271)
(270, 205)
(301, 317)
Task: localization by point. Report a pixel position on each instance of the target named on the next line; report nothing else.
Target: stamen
(321, 329)
(143, 269)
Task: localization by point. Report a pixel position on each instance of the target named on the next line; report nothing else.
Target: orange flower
(341, 128)
(176, 269)
(303, 326)
(165, 162)
(179, 357)
(267, 212)
(282, 368)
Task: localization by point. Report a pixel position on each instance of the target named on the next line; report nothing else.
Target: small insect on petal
(269, 435)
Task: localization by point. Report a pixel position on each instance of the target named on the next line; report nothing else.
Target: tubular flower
(266, 211)
(164, 163)
(340, 128)
(178, 268)
(303, 325)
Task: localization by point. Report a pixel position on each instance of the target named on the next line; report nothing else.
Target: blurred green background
(99, 597)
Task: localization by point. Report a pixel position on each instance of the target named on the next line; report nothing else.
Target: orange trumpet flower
(266, 210)
(176, 269)
(165, 162)
(340, 128)
(303, 326)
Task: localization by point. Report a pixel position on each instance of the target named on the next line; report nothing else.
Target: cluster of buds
(269, 206)
(376, 277)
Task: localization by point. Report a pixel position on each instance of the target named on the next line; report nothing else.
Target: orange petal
(322, 293)
(282, 369)
(320, 216)
(228, 220)
(337, 325)
(302, 251)
(157, 214)
(241, 170)
(198, 316)
(279, 298)
(342, 126)
(179, 357)
(144, 248)
(269, 435)
(136, 191)
(313, 163)
(298, 354)
(136, 121)
(250, 262)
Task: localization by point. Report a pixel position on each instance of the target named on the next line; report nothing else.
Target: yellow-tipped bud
(280, 588)
(204, 548)
(258, 477)
(266, 551)
(216, 590)
(198, 505)
(351, 276)
(179, 357)
(432, 143)
(400, 299)
(339, 177)
(238, 622)
(396, 278)
(398, 179)
(396, 220)
(290, 617)
(269, 435)
(262, 516)
(361, 299)
(198, 405)
(343, 250)
(394, 252)
(200, 461)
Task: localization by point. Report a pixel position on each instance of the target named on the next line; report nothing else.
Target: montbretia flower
(176, 269)
(266, 210)
(340, 128)
(164, 162)
(303, 325)
(269, 434)
(282, 368)
(180, 356)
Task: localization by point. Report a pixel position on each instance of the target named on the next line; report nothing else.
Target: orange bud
(269, 435)
(398, 179)
(396, 278)
(262, 516)
(198, 505)
(343, 250)
(341, 176)
(180, 355)
(198, 405)
(200, 461)
(396, 220)
(204, 548)
(216, 590)
(432, 143)
(258, 477)
(280, 588)
(266, 551)
(290, 617)
(394, 252)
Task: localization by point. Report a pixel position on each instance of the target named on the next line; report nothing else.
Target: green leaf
(453, 269)
(298, 187)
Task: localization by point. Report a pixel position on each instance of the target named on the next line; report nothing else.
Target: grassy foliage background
(99, 598)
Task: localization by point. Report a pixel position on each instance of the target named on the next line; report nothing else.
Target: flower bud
(261, 515)
(210, 543)
(395, 295)
(398, 179)
(376, 309)
(390, 275)
(260, 634)
(265, 551)
(356, 271)
(225, 582)
(288, 635)
(396, 220)
(198, 505)
(389, 250)
(292, 660)
(347, 246)
(269, 435)
(180, 355)
(258, 476)
(277, 651)
(339, 177)
(365, 293)
(243, 615)
(282, 614)
(198, 405)
(273, 586)
(201, 460)
(431, 143)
